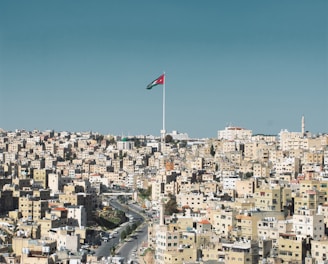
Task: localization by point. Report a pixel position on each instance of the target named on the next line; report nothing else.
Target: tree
(134, 226)
(168, 139)
(99, 138)
(123, 235)
(212, 151)
(171, 206)
(248, 175)
(137, 142)
(145, 194)
(113, 251)
(128, 230)
(112, 141)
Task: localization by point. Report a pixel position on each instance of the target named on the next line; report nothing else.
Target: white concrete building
(234, 133)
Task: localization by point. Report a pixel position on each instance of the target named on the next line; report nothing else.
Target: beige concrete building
(290, 249)
(287, 165)
(174, 246)
(261, 170)
(32, 208)
(29, 229)
(223, 221)
(313, 157)
(247, 223)
(40, 176)
(309, 199)
(66, 238)
(323, 210)
(245, 188)
(270, 228)
(196, 201)
(268, 198)
(46, 224)
(309, 224)
(33, 250)
(242, 252)
(319, 251)
(228, 146)
(235, 157)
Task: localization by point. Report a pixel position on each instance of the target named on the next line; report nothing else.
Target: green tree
(171, 206)
(168, 139)
(137, 142)
(145, 193)
(248, 175)
(112, 141)
(128, 230)
(113, 251)
(212, 151)
(134, 226)
(99, 138)
(123, 235)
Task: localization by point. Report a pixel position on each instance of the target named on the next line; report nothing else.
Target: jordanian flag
(159, 80)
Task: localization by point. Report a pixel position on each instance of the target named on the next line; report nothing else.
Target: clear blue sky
(84, 65)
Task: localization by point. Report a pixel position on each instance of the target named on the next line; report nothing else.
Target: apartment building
(195, 200)
(223, 221)
(76, 216)
(33, 250)
(261, 169)
(257, 151)
(233, 133)
(245, 188)
(323, 210)
(309, 199)
(290, 249)
(47, 224)
(174, 246)
(291, 140)
(319, 251)
(243, 252)
(66, 238)
(308, 224)
(287, 165)
(267, 228)
(313, 157)
(32, 208)
(268, 198)
(40, 177)
(247, 223)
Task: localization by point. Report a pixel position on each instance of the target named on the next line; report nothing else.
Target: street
(128, 250)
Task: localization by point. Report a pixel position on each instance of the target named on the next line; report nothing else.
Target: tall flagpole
(163, 132)
(164, 102)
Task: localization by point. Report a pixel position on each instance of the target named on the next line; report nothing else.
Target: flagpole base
(163, 134)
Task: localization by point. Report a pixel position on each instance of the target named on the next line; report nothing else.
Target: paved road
(130, 249)
(125, 249)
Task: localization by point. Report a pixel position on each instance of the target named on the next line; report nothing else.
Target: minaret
(303, 126)
(162, 143)
(161, 213)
